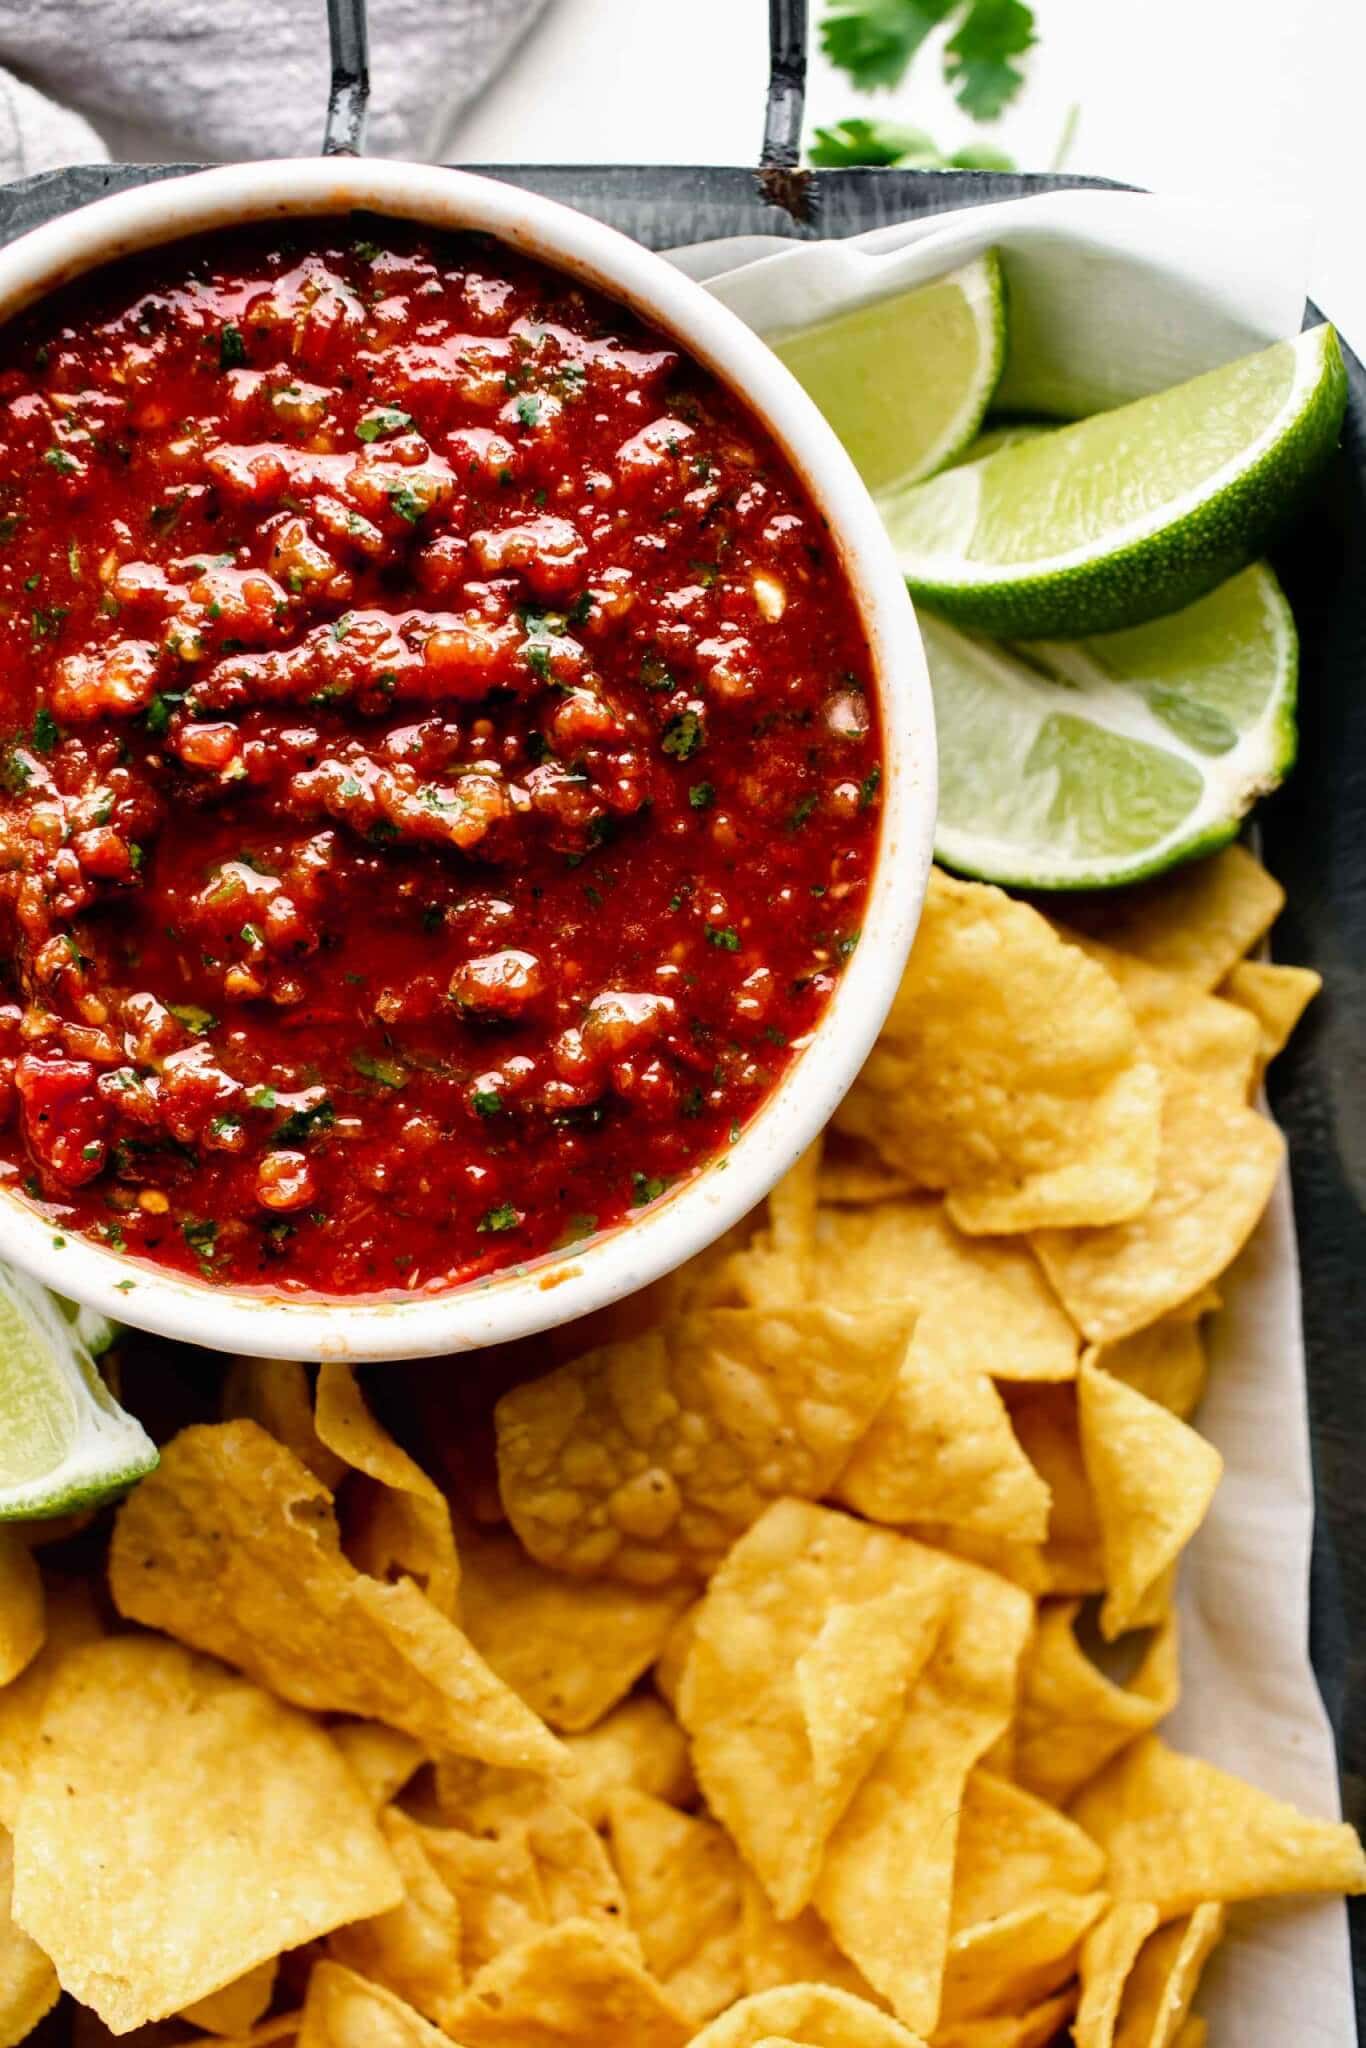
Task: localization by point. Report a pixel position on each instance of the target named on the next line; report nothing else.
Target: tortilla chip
(1194, 2034)
(943, 1450)
(28, 1982)
(1039, 2028)
(1152, 1478)
(397, 1521)
(283, 2026)
(571, 1648)
(853, 1174)
(150, 1863)
(1180, 1833)
(1197, 921)
(1018, 1959)
(413, 1950)
(682, 1883)
(1014, 1848)
(571, 1987)
(815, 2014)
(646, 1459)
(1073, 1719)
(1166, 1363)
(1022, 1563)
(798, 1951)
(1220, 1161)
(674, 1656)
(1108, 1954)
(577, 1877)
(1008, 1072)
(344, 2010)
(1213, 1041)
(1046, 1423)
(1165, 1978)
(1277, 997)
(805, 1646)
(71, 1621)
(21, 1605)
(639, 1747)
(886, 1885)
(496, 1886)
(384, 1759)
(232, 1546)
(235, 2009)
(276, 1393)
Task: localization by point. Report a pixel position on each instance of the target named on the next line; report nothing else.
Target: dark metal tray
(1313, 831)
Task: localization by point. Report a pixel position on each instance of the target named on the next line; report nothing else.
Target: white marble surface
(1258, 100)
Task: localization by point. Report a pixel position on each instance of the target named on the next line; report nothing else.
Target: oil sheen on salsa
(440, 761)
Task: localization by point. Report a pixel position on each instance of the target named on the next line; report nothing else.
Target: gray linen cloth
(203, 80)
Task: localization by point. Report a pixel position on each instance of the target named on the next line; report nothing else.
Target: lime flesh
(905, 381)
(1128, 515)
(1078, 765)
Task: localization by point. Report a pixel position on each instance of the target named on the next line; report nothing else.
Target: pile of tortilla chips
(784, 1666)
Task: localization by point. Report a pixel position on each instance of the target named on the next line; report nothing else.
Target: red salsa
(440, 762)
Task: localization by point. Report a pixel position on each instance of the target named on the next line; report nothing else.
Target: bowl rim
(558, 1287)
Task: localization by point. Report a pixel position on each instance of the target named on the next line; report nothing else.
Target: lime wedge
(905, 381)
(64, 1440)
(1131, 513)
(1078, 765)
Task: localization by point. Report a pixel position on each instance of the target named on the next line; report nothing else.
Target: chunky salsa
(440, 763)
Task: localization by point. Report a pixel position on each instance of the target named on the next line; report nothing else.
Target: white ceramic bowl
(518, 1303)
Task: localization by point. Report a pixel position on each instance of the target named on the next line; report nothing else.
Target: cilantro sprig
(874, 42)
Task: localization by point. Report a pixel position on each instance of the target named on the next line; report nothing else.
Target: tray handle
(786, 84)
(349, 95)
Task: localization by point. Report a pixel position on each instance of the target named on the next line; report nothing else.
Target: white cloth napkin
(1113, 295)
(204, 80)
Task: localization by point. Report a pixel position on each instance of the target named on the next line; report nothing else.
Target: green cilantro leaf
(702, 796)
(384, 420)
(504, 1217)
(684, 736)
(46, 731)
(725, 936)
(858, 141)
(646, 1189)
(319, 1116)
(487, 1101)
(875, 40)
(388, 1073)
(232, 349)
(977, 59)
(196, 1020)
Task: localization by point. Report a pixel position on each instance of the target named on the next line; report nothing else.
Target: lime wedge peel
(1086, 764)
(64, 1440)
(1130, 513)
(906, 380)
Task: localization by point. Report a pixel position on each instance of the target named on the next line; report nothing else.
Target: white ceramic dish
(520, 1302)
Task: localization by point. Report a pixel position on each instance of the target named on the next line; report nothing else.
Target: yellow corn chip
(577, 1877)
(1194, 2034)
(399, 1524)
(673, 1657)
(21, 1605)
(344, 2010)
(71, 1621)
(1014, 1848)
(384, 1759)
(942, 1450)
(804, 1648)
(852, 1173)
(1164, 1980)
(1108, 1954)
(886, 1885)
(1041, 2027)
(28, 1982)
(816, 2015)
(1152, 1478)
(571, 1987)
(682, 1883)
(275, 1392)
(1179, 1832)
(1008, 1072)
(1277, 997)
(798, 1951)
(1166, 1363)
(1022, 1563)
(232, 1546)
(496, 1886)
(283, 2027)
(1046, 1423)
(1018, 1959)
(571, 1648)
(1072, 1718)
(1220, 1160)
(638, 1747)
(646, 1459)
(1213, 1041)
(235, 2009)
(413, 1950)
(178, 1827)
(1197, 921)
